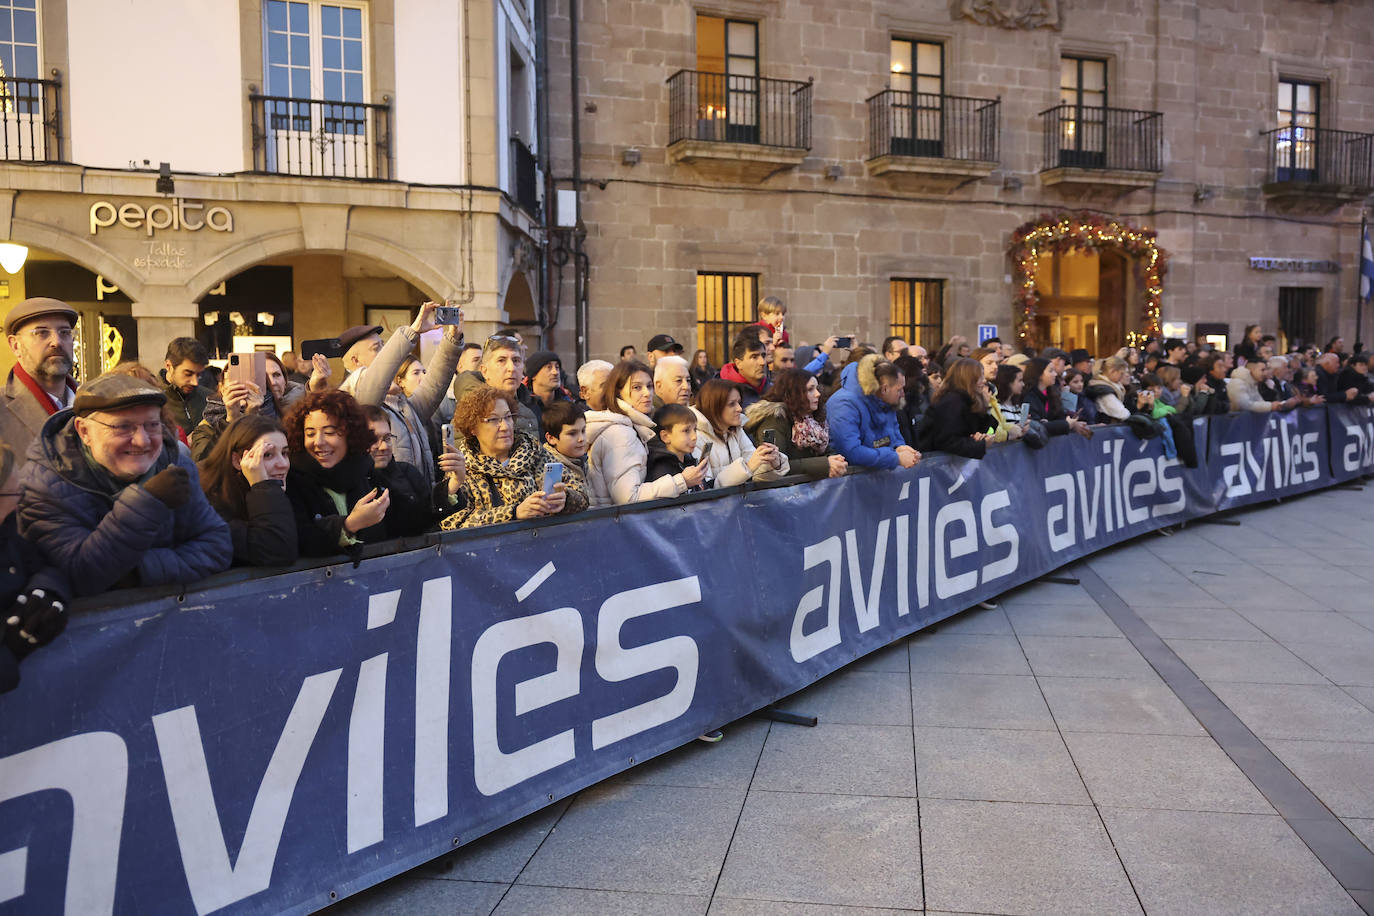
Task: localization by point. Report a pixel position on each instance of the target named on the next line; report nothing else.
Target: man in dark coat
(40, 384)
(32, 592)
(111, 499)
(186, 360)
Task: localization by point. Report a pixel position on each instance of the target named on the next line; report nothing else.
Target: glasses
(507, 420)
(388, 438)
(152, 429)
(66, 335)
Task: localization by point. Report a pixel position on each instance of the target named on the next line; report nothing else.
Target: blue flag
(1366, 265)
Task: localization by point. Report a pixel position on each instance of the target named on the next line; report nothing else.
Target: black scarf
(348, 476)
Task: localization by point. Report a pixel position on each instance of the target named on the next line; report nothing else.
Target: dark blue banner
(268, 745)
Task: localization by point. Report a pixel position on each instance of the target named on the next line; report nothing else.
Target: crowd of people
(142, 479)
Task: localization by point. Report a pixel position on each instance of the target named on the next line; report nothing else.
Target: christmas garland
(1084, 231)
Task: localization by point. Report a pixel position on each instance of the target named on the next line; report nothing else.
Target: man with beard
(40, 332)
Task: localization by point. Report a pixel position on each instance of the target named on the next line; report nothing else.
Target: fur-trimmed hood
(859, 378)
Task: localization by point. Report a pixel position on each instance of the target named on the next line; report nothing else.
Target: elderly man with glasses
(41, 334)
(111, 499)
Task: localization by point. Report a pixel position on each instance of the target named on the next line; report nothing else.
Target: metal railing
(32, 115)
(524, 173)
(1082, 137)
(1320, 155)
(321, 138)
(726, 108)
(902, 123)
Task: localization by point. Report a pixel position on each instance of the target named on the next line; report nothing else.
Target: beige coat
(21, 418)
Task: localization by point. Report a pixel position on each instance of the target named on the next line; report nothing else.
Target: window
(725, 304)
(316, 117)
(916, 74)
(728, 63)
(18, 43)
(1296, 140)
(1297, 316)
(27, 131)
(917, 312)
(1083, 98)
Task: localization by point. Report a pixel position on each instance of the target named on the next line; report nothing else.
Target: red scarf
(732, 374)
(44, 400)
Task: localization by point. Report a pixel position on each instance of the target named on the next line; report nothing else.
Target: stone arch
(80, 251)
(518, 301)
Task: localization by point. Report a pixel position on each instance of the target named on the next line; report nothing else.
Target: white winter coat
(729, 458)
(1244, 393)
(617, 459)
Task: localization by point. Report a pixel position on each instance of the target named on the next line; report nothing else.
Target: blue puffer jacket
(863, 428)
(99, 532)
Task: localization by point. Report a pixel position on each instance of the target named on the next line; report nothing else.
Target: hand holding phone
(553, 474)
(770, 437)
(706, 450)
(844, 343)
(446, 431)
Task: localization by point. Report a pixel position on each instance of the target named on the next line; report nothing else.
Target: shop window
(725, 304)
(917, 312)
(249, 311)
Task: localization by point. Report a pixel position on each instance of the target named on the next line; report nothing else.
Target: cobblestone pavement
(1188, 730)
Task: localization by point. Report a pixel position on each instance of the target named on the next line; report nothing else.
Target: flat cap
(115, 391)
(37, 308)
(1016, 359)
(356, 333)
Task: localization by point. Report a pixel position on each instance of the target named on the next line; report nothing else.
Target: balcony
(32, 113)
(1317, 170)
(737, 128)
(524, 175)
(1101, 151)
(931, 143)
(321, 138)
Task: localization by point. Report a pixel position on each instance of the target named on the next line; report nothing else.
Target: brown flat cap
(37, 308)
(114, 391)
(356, 333)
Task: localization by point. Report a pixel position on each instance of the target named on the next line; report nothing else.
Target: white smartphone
(553, 474)
(447, 432)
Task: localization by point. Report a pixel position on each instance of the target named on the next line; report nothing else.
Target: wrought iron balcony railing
(321, 138)
(524, 173)
(1122, 139)
(727, 108)
(925, 125)
(1319, 155)
(32, 115)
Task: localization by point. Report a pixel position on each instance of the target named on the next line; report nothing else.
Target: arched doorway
(1084, 280)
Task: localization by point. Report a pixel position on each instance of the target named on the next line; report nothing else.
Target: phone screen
(770, 437)
(844, 343)
(706, 449)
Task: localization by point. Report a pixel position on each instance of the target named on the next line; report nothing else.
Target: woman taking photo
(791, 411)
(335, 507)
(733, 458)
(618, 454)
(1041, 397)
(237, 399)
(504, 467)
(958, 421)
(244, 478)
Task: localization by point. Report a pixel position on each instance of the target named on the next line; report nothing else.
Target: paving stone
(1050, 593)
(1324, 627)
(1163, 771)
(411, 896)
(727, 764)
(1248, 662)
(1363, 828)
(1245, 587)
(500, 855)
(1350, 664)
(650, 839)
(1068, 620)
(997, 857)
(527, 900)
(838, 758)
(1365, 695)
(1207, 862)
(856, 697)
(976, 620)
(978, 701)
(1199, 623)
(996, 765)
(1298, 711)
(837, 849)
(1085, 656)
(1187, 547)
(1114, 705)
(1341, 774)
(949, 653)
(888, 658)
(735, 906)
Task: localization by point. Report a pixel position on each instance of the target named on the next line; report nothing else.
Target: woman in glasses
(335, 506)
(504, 466)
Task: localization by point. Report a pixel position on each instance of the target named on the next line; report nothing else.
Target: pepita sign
(174, 214)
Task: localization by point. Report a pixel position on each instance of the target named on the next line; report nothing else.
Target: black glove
(172, 486)
(34, 620)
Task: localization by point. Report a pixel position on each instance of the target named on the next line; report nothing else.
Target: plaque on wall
(1009, 14)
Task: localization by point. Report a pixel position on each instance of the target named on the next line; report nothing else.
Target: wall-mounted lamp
(165, 184)
(1011, 183)
(12, 257)
(1202, 193)
(630, 156)
(833, 172)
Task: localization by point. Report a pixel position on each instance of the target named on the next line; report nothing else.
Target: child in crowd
(1010, 383)
(1159, 408)
(1072, 388)
(670, 452)
(1305, 382)
(565, 439)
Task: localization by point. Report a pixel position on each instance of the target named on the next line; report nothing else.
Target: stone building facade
(327, 163)
(870, 162)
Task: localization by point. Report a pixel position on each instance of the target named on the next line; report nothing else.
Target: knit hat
(1078, 356)
(115, 391)
(539, 360)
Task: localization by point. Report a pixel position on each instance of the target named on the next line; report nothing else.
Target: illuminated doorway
(1082, 301)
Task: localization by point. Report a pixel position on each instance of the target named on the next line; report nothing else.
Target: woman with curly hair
(791, 410)
(335, 508)
(244, 478)
(505, 467)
